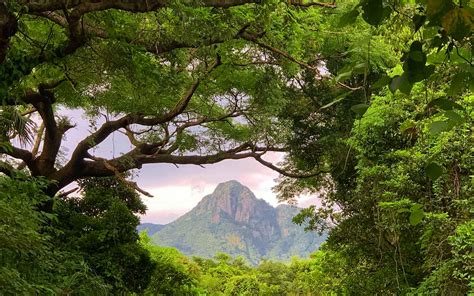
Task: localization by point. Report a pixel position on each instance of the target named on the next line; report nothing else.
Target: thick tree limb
(142, 5)
(152, 47)
(8, 28)
(6, 168)
(53, 133)
(258, 157)
(111, 126)
(134, 159)
(119, 175)
(76, 9)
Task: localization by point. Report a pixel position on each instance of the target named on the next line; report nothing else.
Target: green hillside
(234, 221)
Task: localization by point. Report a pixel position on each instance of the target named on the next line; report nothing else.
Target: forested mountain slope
(234, 221)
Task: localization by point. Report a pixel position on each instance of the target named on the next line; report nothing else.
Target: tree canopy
(186, 83)
(371, 100)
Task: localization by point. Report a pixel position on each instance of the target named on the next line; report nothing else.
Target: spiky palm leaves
(13, 125)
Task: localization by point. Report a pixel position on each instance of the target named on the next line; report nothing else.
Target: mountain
(234, 221)
(150, 228)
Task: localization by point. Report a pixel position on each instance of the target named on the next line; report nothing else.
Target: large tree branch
(258, 157)
(154, 47)
(135, 160)
(76, 9)
(111, 126)
(42, 101)
(23, 155)
(6, 168)
(142, 5)
(8, 28)
(53, 133)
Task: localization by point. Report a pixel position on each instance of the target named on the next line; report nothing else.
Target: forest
(369, 100)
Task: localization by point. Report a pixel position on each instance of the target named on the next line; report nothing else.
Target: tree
(186, 83)
(31, 260)
(396, 151)
(101, 226)
(174, 273)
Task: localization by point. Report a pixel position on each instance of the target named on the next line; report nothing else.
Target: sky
(177, 190)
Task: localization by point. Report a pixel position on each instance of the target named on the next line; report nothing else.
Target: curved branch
(258, 157)
(111, 126)
(6, 168)
(143, 5)
(255, 39)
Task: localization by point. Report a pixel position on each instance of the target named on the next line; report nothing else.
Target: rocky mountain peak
(234, 201)
(233, 220)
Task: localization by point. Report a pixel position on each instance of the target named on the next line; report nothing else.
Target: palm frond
(14, 125)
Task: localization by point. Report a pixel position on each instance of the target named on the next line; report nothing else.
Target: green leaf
(438, 127)
(434, 171)
(374, 11)
(359, 68)
(360, 109)
(6, 147)
(458, 83)
(343, 76)
(401, 83)
(383, 81)
(445, 104)
(416, 216)
(349, 18)
(454, 118)
(337, 99)
(458, 23)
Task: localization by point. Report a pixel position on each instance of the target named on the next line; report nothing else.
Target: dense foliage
(31, 263)
(371, 99)
(86, 246)
(398, 195)
(177, 274)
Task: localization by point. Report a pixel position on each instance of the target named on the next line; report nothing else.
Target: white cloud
(170, 202)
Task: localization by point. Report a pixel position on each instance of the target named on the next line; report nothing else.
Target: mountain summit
(234, 221)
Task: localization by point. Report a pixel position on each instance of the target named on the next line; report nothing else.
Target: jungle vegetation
(371, 100)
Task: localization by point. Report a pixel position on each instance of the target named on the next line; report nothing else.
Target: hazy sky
(178, 190)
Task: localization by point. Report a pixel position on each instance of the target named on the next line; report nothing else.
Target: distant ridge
(234, 221)
(150, 228)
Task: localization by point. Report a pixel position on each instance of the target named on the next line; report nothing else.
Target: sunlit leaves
(453, 119)
(451, 115)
